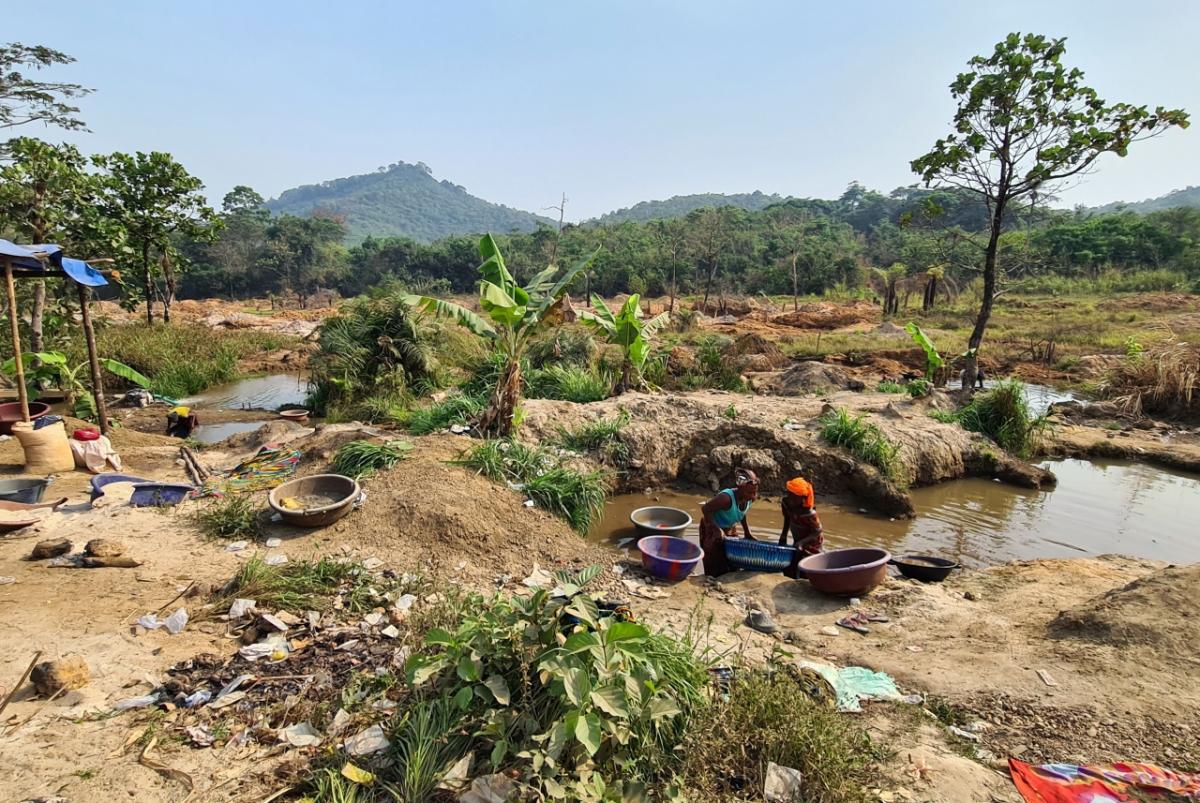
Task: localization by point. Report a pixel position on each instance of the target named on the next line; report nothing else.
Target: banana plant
(53, 367)
(512, 316)
(933, 360)
(627, 329)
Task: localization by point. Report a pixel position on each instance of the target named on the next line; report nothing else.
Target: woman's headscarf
(802, 488)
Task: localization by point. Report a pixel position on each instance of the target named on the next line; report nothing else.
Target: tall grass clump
(1163, 378)
(568, 383)
(295, 586)
(888, 386)
(602, 437)
(567, 345)
(862, 439)
(571, 494)
(457, 408)
(769, 717)
(373, 355)
(359, 459)
(234, 517)
(180, 360)
(1003, 415)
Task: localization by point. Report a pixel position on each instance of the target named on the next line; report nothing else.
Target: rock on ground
(50, 548)
(65, 674)
(104, 548)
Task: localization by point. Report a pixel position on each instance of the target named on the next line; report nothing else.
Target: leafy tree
(513, 316)
(627, 329)
(24, 100)
(1025, 123)
(304, 252)
(243, 237)
(155, 199)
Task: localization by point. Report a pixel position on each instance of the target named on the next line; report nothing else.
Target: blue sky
(611, 102)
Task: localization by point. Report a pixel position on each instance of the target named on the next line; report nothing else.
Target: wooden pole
(14, 325)
(93, 358)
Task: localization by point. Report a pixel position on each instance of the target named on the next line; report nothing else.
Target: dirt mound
(813, 377)
(825, 315)
(753, 352)
(721, 307)
(1160, 610)
(889, 328)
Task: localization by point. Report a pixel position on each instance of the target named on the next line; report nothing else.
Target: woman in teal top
(721, 516)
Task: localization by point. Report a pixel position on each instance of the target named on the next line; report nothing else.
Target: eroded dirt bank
(702, 437)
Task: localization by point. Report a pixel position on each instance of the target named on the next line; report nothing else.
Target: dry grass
(1163, 379)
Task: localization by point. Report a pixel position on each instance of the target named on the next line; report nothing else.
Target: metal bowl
(658, 520)
(926, 568)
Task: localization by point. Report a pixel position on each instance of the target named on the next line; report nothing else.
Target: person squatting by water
(720, 517)
(800, 518)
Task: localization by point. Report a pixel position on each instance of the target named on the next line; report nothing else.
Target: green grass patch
(302, 585)
(1003, 415)
(457, 408)
(235, 517)
(179, 359)
(862, 439)
(602, 437)
(360, 459)
(574, 495)
(888, 386)
(568, 383)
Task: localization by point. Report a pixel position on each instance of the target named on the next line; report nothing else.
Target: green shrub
(573, 495)
(769, 717)
(360, 459)
(888, 386)
(567, 345)
(568, 383)
(1003, 415)
(863, 440)
(602, 437)
(457, 408)
(917, 388)
(234, 517)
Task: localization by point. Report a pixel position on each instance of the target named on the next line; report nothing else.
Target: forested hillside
(1189, 196)
(680, 205)
(402, 200)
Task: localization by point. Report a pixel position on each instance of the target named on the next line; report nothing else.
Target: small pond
(269, 392)
(212, 433)
(1098, 507)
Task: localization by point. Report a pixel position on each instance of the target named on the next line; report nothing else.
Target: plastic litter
(241, 608)
(782, 784)
(273, 542)
(233, 685)
(496, 788)
(237, 546)
(538, 578)
(405, 602)
(197, 698)
(855, 683)
(364, 743)
(175, 623)
(275, 560)
(138, 702)
(300, 735)
(200, 735)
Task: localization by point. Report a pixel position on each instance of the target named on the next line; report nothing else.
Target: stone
(51, 548)
(104, 548)
(67, 673)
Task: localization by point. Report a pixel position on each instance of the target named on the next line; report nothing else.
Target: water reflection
(268, 392)
(1099, 507)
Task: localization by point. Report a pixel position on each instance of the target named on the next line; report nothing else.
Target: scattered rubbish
(459, 774)
(357, 774)
(340, 720)
(267, 469)
(855, 623)
(289, 619)
(761, 621)
(1046, 677)
(643, 589)
(237, 546)
(529, 503)
(173, 623)
(496, 788)
(855, 683)
(1125, 781)
(404, 602)
(51, 548)
(459, 429)
(137, 702)
(300, 735)
(390, 632)
(67, 673)
(538, 578)
(227, 700)
(273, 621)
(232, 686)
(963, 733)
(200, 735)
(263, 649)
(241, 608)
(271, 543)
(364, 743)
(275, 560)
(722, 676)
(5, 580)
(197, 699)
(782, 784)
(347, 645)
(373, 619)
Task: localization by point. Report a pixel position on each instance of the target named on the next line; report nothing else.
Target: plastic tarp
(25, 262)
(855, 683)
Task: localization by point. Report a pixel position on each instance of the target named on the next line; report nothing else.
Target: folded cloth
(95, 455)
(1107, 783)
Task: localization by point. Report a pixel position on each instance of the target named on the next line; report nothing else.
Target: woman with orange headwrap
(800, 518)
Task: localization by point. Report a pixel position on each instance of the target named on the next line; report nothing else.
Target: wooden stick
(14, 326)
(204, 473)
(93, 358)
(191, 470)
(176, 597)
(8, 697)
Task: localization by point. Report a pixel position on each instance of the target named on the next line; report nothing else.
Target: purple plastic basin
(669, 558)
(847, 572)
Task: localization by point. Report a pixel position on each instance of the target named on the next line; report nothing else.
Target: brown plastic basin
(846, 572)
(334, 495)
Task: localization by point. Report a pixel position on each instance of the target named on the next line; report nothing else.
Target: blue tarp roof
(26, 262)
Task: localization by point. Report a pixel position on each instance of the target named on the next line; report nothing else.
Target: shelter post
(15, 327)
(93, 358)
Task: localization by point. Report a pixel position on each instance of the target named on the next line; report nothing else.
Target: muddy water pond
(268, 392)
(1098, 507)
(213, 433)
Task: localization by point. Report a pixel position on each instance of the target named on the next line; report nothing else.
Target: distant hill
(403, 200)
(680, 205)
(1185, 197)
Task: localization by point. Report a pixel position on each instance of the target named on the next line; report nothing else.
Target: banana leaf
(446, 309)
(125, 372)
(933, 360)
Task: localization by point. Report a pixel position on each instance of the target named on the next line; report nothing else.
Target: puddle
(1040, 397)
(211, 433)
(1098, 507)
(268, 392)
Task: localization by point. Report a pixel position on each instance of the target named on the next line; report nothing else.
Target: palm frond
(460, 315)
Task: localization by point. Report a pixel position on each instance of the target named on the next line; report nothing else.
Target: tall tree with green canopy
(512, 317)
(155, 199)
(627, 329)
(47, 195)
(24, 100)
(1024, 124)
